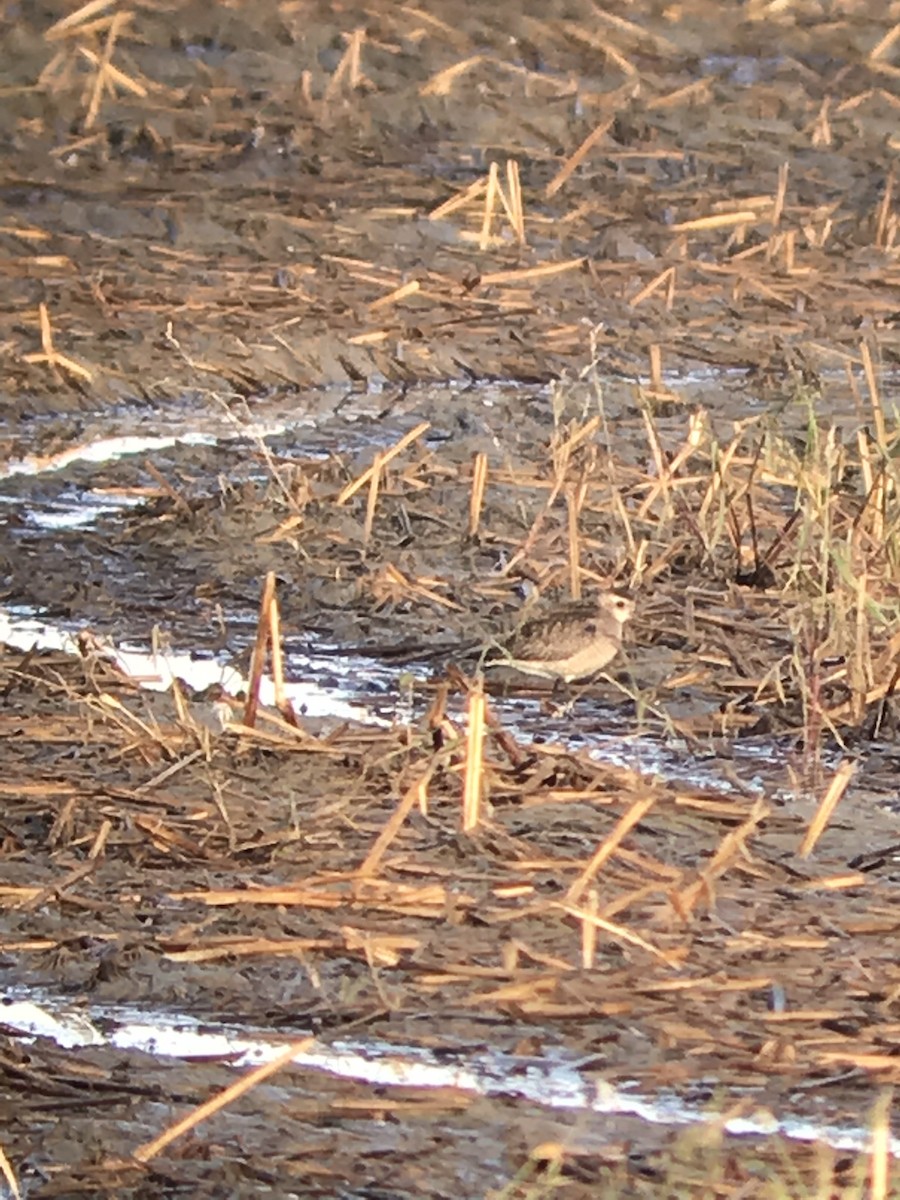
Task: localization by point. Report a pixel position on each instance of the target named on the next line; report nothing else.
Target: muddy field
(655, 348)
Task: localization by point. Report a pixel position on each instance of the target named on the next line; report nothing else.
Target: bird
(572, 642)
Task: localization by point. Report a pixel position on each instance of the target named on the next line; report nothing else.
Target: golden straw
(474, 769)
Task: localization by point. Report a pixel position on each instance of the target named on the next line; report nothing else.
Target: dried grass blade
(880, 1153)
(440, 84)
(394, 297)
(881, 439)
(476, 495)
(277, 896)
(731, 847)
(522, 274)
(472, 192)
(385, 457)
(698, 92)
(282, 703)
(717, 221)
(78, 17)
(258, 660)
(149, 1150)
(417, 793)
(887, 42)
(490, 202)
(347, 67)
(621, 933)
(474, 778)
(574, 161)
(9, 1175)
(605, 851)
(372, 498)
(514, 208)
(833, 793)
(665, 279)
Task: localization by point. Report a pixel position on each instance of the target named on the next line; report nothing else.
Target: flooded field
(437, 320)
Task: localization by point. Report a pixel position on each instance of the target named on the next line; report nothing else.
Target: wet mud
(674, 363)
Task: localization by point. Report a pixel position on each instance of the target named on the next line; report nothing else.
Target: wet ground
(681, 381)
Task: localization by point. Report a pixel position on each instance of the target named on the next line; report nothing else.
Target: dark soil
(226, 228)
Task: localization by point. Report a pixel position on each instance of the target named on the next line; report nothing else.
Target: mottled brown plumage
(572, 642)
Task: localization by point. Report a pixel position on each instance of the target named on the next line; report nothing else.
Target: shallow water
(553, 1080)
